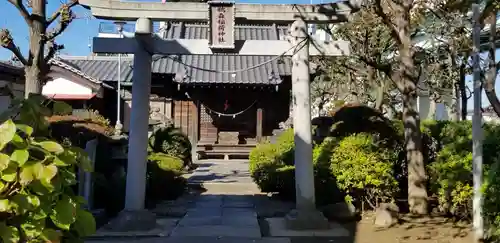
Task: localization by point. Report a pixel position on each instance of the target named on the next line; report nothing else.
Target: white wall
(424, 105)
(65, 87)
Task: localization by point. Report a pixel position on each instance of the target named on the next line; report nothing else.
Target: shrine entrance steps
(224, 151)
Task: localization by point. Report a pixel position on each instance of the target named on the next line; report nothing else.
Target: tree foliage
(37, 203)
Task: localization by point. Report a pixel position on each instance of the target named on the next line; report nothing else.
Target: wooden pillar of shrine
(259, 123)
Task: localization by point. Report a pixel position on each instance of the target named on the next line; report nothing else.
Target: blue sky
(77, 37)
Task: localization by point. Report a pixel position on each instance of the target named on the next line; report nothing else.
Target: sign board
(221, 23)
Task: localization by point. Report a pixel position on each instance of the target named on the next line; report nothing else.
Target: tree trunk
(35, 70)
(408, 80)
(32, 84)
(463, 92)
(417, 192)
(489, 83)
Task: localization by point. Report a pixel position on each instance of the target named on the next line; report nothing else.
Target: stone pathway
(224, 212)
(226, 207)
(220, 216)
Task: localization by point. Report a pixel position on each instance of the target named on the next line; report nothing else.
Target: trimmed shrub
(263, 163)
(164, 180)
(171, 141)
(271, 167)
(364, 170)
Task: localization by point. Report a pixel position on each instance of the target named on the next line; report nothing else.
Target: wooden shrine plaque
(221, 22)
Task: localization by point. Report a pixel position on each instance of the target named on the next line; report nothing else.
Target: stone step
(197, 239)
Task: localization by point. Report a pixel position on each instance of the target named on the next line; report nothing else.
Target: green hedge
(364, 170)
(369, 166)
(271, 167)
(173, 142)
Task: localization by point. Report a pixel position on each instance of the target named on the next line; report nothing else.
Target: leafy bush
(37, 203)
(263, 160)
(451, 171)
(272, 174)
(164, 180)
(364, 170)
(171, 141)
(491, 207)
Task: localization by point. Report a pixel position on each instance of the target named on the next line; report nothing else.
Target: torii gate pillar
(305, 216)
(134, 217)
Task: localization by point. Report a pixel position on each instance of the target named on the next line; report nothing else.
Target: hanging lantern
(178, 86)
(234, 116)
(277, 88)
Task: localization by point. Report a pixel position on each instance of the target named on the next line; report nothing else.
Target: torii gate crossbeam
(144, 44)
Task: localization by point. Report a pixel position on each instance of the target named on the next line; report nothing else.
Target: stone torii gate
(222, 17)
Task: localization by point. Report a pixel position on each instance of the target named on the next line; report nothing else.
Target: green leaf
(25, 129)
(64, 213)
(10, 173)
(62, 108)
(85, 223)
(37, 169)
(9, 234)
(27, 175)
(34, 201)
(65, 159)
(19, 142)
(2, 186)
(51, 146)
(7, 132)
(32, 228)
(20, 203)
(4, 161)
(41, 188)
(67, 177)
(49, 171)
(20, 156)
(4, 205)
(51, 236)
(43, 210)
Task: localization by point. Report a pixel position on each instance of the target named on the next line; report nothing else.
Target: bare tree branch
(60, 10)
(52, 49)
(61, 27)
(22, 10)
(386, 19)
(7, 42)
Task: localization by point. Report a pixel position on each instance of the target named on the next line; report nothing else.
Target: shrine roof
(192, 69)
(197, 69)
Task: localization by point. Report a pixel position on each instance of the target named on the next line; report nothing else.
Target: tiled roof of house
(10, 68)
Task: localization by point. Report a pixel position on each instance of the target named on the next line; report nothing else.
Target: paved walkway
(223, 213)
